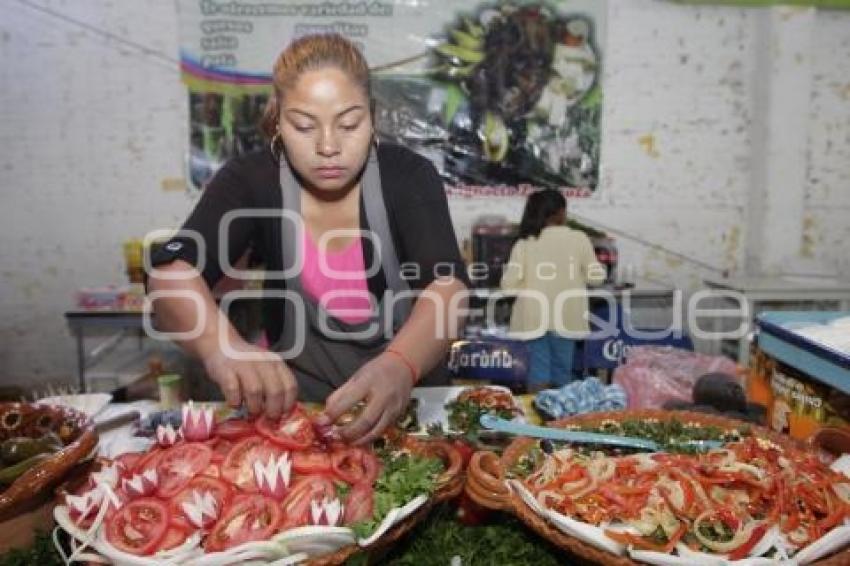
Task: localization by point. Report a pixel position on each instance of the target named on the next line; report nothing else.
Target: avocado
(15, 450)
(10, 474)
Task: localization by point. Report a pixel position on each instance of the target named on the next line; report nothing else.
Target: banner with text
(501, 96)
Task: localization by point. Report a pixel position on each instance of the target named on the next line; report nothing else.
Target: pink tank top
(349, 300)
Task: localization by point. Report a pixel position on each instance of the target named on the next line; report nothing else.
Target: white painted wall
(93, 131)
(676, 130)
(826, 221)
(89, 131)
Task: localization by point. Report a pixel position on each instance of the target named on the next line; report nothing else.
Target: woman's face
(326, 128)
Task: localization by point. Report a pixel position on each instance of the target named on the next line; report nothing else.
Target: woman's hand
(264, 382)
(384, 383)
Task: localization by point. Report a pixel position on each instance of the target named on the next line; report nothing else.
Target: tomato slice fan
(139, 527)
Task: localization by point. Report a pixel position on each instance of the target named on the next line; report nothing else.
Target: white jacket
(551, 274)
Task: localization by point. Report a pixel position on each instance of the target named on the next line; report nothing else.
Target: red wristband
(414, 374)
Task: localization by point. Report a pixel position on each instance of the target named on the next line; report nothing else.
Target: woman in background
(550, 268)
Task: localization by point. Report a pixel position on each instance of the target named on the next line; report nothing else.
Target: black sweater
(416, 208)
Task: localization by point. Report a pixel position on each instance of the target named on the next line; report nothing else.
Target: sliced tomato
(308, 462)
(828, 522)
(173, 538)
(149, 460)
(728, 517)
(234, 429)
(744, 550)
(645, 543)
(359, 504)
(179, 464)
(293, 431)
(127, 462)
(249, 518)
(139, 527)
(612, 496)
(573, 474)
(355, 465)
(296, 505)
(238, 466)
(219, 489)
(220, 448)
(213, 471)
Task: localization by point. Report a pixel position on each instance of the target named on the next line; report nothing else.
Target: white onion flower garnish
(198, 422)
(108, 476)
(82, 506)
(202, 511)
(141, 485)
(96, 499)
(329, 512)
(274, 477)
(167, 435)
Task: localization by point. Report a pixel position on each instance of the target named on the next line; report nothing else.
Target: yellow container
(134, 260)
(758, 380)
(801, 406)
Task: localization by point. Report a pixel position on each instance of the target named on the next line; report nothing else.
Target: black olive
(45, 421)
(12, 419)
(547, 446)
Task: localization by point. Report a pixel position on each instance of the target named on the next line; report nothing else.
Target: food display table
(117, 328)
(456, 532)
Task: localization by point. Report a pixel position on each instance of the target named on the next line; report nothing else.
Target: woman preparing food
(340, 316)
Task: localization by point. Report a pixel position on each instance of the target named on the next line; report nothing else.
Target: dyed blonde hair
(309, 53)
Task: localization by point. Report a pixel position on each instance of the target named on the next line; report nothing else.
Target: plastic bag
(581, 396)
(654, 375)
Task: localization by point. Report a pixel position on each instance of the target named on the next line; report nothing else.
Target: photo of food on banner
(511, 96)
(222, 126)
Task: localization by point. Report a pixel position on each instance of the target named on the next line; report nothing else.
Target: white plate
(88, 403)
(299, 543)
(835, 540)
(316, 541)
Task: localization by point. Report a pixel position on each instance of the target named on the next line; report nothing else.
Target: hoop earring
(274, 141)
(376, 140)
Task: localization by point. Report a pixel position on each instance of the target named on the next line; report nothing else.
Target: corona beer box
(611, 352)
(803, 381)
(499, 361)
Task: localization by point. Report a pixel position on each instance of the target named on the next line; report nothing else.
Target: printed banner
(501, 96)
